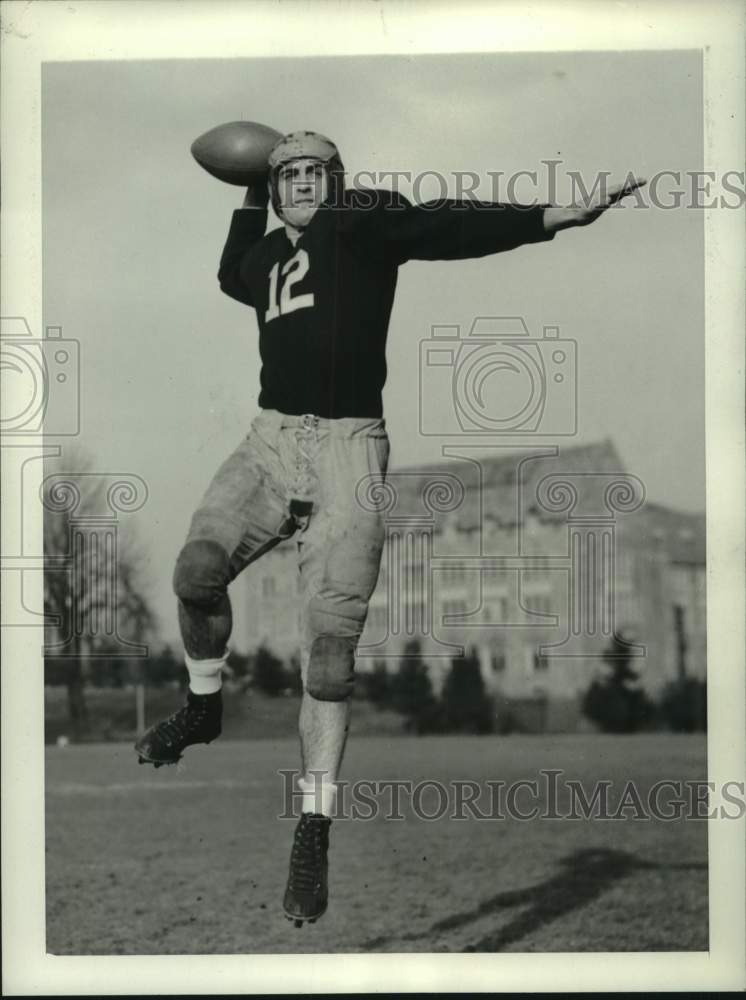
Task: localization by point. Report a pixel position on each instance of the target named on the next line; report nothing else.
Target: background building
(535, 560)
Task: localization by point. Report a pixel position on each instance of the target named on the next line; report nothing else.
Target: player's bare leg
(205, 631)
(323, 727)
(328, 671)
(334, 619)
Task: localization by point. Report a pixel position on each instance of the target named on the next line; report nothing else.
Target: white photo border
(34, 33)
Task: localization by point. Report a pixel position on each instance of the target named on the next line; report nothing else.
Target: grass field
(194, 859)
(246, 714)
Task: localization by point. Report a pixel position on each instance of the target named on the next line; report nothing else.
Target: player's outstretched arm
(557, 218)
(449, 229)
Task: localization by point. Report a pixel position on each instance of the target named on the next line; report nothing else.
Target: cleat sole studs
(300, 921)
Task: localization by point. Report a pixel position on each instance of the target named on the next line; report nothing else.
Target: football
(236, 152)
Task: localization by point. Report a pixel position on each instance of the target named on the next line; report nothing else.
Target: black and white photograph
(372, 450)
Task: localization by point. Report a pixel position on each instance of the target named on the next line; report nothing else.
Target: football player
(322, 287)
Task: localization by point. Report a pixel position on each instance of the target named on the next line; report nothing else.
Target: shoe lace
(182, 723)
(307, 857)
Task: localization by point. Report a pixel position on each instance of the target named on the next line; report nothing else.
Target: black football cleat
(197, 722)
(307, 890)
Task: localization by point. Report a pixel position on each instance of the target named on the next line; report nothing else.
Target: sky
(133, 230)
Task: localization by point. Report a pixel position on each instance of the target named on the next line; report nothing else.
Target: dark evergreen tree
(616, 702)
(411, 687)
(412, 692)
(683, 705)
(377, 685)
(269, 674)
(466, 706)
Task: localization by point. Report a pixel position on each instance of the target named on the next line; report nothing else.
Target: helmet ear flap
(335, 172)
(274, 196)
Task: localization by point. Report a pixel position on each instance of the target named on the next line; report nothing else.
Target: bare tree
(94, 595)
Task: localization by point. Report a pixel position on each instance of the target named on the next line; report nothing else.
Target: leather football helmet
(302, 146)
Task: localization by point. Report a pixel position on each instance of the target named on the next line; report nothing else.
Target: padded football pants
(317, 477)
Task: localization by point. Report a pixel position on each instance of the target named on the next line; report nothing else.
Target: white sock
(318, 796)
(204, 675)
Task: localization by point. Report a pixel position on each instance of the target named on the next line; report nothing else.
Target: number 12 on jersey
(293, 271)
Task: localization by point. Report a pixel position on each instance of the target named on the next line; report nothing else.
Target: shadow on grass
(583, 876)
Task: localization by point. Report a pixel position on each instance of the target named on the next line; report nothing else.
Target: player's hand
(582, 215)
(257, 196)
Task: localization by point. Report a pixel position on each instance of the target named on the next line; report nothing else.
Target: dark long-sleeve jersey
(323, 305)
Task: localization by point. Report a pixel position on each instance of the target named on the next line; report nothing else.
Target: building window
(378, 617)
(627, 606)
(540, 662)
(456, 608)
(489, 611)
(538, 603)
(498, 663)
(415, 614)
(453, 574)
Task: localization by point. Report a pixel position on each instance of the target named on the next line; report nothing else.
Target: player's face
(301, 186)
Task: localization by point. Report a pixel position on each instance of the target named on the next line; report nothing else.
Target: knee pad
(331, 668)
(202, 573)
(336, 627)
